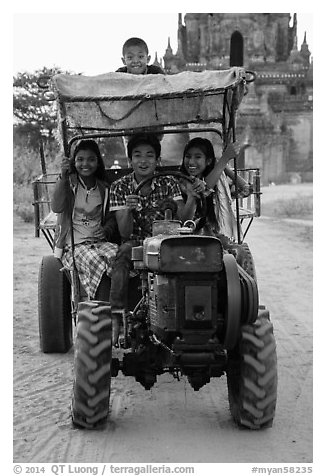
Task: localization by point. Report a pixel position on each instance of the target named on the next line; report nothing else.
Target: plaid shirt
(162, 188)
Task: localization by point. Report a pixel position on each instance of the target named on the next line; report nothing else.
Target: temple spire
(156, 61)
(295, 42)
(168, 50)
(295, 23)
(304, 51)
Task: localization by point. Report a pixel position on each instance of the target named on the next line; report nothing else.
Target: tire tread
(93, 356)
(252, 376)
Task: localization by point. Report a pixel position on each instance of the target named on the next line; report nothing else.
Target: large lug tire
(54, 307)
(252, 375)
(92, 365)
(246, 261)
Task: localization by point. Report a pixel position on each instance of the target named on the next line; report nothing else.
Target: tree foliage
(34, 114)
(35, 126)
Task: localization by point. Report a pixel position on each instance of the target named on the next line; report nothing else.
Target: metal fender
(250, 297)
(233, 306)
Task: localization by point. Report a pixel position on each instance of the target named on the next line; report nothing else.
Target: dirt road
(171, 422)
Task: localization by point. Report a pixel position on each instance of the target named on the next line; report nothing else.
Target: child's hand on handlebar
(196, 188)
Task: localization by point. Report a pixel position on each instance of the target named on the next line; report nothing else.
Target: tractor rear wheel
(92, 365)
(252, 375)
(54, 307)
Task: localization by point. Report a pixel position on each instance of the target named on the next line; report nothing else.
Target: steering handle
(179, 175)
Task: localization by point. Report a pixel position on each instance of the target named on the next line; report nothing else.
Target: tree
(35, 121)
(34, 115)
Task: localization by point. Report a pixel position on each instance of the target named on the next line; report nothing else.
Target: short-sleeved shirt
(162, 188)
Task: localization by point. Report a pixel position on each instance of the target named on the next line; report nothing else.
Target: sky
(90, 41)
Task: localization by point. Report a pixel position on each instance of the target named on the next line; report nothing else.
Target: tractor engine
(196, 301)
(183, 277)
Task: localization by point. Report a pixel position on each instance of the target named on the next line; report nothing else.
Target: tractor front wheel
(92, 365)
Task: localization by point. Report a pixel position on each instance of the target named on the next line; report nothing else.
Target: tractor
(193, 307)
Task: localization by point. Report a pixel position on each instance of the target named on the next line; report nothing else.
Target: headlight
(184, 254)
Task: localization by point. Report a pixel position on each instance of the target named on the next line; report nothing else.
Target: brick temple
(275, 118)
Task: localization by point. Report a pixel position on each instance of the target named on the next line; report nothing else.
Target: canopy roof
(113, 86)
(120, 101)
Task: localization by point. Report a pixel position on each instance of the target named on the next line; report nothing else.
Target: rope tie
(128, 113)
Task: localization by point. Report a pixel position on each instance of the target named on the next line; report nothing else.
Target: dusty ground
(171, 423)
